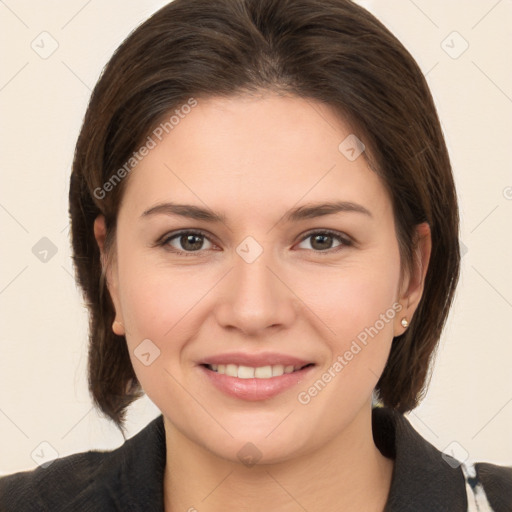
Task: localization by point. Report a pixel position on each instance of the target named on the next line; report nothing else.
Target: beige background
(43, 393)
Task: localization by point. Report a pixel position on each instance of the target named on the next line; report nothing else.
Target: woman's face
(255, 282)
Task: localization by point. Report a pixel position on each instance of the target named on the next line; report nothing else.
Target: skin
(253, 158)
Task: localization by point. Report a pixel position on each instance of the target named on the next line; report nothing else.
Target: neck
(346, 474)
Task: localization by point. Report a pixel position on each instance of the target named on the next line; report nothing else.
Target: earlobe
(413, 291)
(118, 328)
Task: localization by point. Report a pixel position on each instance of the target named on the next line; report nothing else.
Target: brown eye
(323, 241)
(187, 242)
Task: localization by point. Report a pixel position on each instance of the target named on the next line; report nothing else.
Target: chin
(264, 440)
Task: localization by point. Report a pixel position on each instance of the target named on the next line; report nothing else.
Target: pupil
(189, 244)
(323, 238)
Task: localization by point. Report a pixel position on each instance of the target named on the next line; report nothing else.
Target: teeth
(263, 372)
(248, 372)
(245, 372)
(232, 370)
(277, 370)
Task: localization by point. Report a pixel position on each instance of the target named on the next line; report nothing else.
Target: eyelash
(344, 239)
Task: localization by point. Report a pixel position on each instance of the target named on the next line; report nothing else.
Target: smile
(254, 383)
(249, 372)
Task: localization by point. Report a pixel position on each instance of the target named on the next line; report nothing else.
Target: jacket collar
(422, 479)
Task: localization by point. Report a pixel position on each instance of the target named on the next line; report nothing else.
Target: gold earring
(404, 323)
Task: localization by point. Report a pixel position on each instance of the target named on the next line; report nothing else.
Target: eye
(185, 242)
(322, 241)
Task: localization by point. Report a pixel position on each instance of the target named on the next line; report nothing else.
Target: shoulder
(92, 480)
(54, 485)
(497, 484)
(426, 479)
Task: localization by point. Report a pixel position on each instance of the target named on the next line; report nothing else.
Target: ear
(413, 285)
(100, 234)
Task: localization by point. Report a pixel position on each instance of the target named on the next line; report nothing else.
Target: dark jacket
(130, 478)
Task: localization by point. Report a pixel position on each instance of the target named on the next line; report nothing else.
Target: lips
(255, 376)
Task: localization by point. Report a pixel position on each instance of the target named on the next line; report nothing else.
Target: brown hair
(333, 51)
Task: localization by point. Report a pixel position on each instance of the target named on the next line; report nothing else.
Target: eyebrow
(308, 211)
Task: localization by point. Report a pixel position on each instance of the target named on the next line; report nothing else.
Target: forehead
(243, 151)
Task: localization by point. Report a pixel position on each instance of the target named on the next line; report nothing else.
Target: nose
(256, 295)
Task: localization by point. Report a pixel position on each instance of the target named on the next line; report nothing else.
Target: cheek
(353, 299)
(361, 312)
(153, 313)
(359, 306)
(155, 298)
(165, 306)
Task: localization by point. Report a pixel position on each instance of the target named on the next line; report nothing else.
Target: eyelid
(332, 232)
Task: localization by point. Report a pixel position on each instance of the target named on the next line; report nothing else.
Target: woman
(265, 228)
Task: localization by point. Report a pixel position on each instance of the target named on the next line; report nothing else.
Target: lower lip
(255, 389)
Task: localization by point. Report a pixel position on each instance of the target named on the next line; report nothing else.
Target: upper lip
(256, 360)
